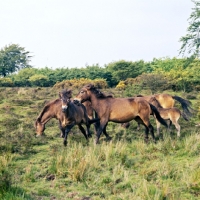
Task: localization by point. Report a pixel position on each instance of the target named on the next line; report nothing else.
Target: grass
(124, 168)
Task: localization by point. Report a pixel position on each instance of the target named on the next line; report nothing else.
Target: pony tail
(185, 117)
(157, 115)
(186, 105)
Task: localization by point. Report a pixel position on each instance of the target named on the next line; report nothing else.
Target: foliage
(191, 41)
(160, 74)
(77, 83)
(38, 80)
(167, 64)
(6, 82)
(151, 82)
(121, 70)
(181, 77)
(12, 59)
(22, 77)
(121, 85)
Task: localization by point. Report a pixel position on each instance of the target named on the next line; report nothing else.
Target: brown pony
(167, 101)
(118, 110)
(53, 109)
(74, 115)
(172, 114)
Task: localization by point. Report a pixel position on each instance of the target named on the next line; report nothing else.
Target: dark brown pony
(172, 114)
(53, 109)
(118, 110)
(74, 115)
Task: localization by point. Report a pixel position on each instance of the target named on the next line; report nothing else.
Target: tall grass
(131, 170)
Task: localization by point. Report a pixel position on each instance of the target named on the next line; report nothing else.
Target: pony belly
(122, 117)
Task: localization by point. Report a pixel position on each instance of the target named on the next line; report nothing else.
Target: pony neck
(45, 118)
(94, 102)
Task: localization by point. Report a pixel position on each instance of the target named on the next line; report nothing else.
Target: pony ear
(69, 92)
(59, 94)
(90, 86)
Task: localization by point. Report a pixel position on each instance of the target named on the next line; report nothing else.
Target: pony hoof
(65, 143)
(96, 142)
(146, 140)
(108, 138)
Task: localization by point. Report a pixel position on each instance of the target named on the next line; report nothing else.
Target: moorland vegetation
(123, 168)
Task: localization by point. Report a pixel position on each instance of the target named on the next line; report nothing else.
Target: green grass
(124, 168)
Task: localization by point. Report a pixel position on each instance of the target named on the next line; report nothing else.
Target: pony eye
(82, 92)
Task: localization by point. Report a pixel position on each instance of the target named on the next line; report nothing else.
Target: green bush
(78, 83)
(6, 82)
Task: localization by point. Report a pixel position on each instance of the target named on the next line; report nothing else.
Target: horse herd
(92, 106)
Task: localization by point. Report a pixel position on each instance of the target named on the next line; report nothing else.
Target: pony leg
(138, 127)
(148, 127)
(83, 131)
(158, 128)
(151, 129)
(178, 128)
(89, 135)
(100, 130)
(169, 123)
(62, 130)
(146, 136)
(67, 130)
(106, 134)
(97, 125)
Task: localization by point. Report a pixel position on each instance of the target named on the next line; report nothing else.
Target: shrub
(6, 82)
(121, 85)
(77, 83)
(39, 80)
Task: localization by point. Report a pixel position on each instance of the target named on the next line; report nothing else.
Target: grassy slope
(125, 168)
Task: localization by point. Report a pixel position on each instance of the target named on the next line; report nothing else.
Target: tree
(39, 80)
(191, 41)
(22, 77)
(121, 70)
(12, 59)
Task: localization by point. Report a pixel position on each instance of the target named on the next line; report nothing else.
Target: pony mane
(97, 92)
(139, 95)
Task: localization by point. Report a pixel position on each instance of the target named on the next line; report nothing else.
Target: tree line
(166, 73)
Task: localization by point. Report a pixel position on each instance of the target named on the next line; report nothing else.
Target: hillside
(123, 168)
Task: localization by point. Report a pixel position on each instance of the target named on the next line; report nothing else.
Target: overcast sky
(76, 33)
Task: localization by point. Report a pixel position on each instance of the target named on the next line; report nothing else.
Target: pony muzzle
(64, 108)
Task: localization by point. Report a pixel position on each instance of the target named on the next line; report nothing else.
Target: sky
(78, 33)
